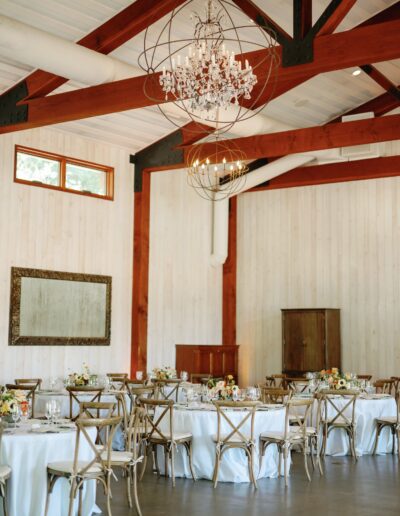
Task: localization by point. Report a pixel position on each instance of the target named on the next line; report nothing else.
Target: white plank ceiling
(314, 102)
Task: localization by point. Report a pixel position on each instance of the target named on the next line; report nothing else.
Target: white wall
(184, 290)
(329, 246)
(46, 229)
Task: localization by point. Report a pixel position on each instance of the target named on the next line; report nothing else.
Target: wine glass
(56, 410)
(49, 411)
(15, 414)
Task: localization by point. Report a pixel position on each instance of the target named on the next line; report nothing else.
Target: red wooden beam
(332, 52)
(140, 288)
(262, 19)
(313, 138)
(110, 35)
(229, 280)
(330, 22)
(373, 168)
(302, 18)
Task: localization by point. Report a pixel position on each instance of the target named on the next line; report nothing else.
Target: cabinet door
(304, 336)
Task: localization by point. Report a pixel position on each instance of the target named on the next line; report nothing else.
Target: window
(60, 173)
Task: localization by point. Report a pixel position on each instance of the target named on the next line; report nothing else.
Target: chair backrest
(298, 412)
(173, 383)
(29, 391)
(97, 410)
(152, 423)
(77, 393)
(396, 380)
(233, 431)
(106, 426)
(200, 378)
(385, 385)
(295, 384)
(117, 380)
(366, 377)
(270, 381)
(37, 382)
(134, 430)
(275, 395)
(334, 411)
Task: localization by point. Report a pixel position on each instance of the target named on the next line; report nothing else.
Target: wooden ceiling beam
(332, 16)
(374, 168)
(302, 18)
(104, 39)
(329, 136)
(263, 20)
(332, 52)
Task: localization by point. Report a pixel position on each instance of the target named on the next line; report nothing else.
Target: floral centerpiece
(9, 399)
(79, 379)
(335, 379)
(223, 389)
(164, 373)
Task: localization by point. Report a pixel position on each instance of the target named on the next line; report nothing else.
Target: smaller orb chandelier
(208, 77)
(219, 175)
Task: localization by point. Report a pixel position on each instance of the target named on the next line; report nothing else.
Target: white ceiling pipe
(220, 226)
(42, 50)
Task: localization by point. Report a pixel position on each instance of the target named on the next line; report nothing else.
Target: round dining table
(28, 449)
(200, 419)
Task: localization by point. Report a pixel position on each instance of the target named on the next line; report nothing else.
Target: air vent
(369, 150)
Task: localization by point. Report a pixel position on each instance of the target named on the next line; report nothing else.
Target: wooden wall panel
(184, 289)
(213, 359)
(41, 228)
(330, 245)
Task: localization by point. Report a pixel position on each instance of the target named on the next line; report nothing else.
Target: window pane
(38, 169)
(86, 179)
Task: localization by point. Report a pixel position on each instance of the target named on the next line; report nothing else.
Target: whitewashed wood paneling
(41, 228)
(331, 246)
(184, 289)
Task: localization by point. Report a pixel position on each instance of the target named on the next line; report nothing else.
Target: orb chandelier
(221, 173)
(205, 77)
(209, 75)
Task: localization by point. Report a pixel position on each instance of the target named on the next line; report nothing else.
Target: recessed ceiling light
(356, 72)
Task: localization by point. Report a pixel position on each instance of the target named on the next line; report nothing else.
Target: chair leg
(311, 443)
(3, 494)
(393, 430)
(306, 460)
(80, 500)
(378, 431)
(250, 456)
(189, 448)
(128, 485)
(108, 488)
(135, 493)
(398, 442)
(166, 453)
(172, 457)
(285, 458)
(280, 451)
(72, 494)
(216, 468)
(144, 463)
(318, 456)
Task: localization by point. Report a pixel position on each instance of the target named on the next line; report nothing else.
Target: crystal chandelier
(209, 76)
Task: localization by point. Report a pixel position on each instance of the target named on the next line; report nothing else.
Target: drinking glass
(15, 414)
(184, 376)
(139, 375)
(49, 411)
(24, 407)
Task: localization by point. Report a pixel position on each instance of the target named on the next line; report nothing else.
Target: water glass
(184, 376)
(15, 414)
(49, 411)
(139, 376)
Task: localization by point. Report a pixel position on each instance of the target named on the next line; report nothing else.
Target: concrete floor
(369, 487)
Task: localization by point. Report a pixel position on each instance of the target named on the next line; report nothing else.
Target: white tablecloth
(367, 410)
(28, 455)
(202, 424)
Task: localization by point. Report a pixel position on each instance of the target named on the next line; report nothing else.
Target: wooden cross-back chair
(37, 382)
(279, 378)
(161, 385)
(97, 410)
(78, 471)
(298, 410)
(385, 385)
(117, 380)
(270, 382)
(275, 395)
(393, 422)
(396, 385)
(29, 391)
(76, 394)
(5, 474)
(136, 391)
(167, 438)
(297, 385)
(233, 435)
(338, 413)
(202, 378)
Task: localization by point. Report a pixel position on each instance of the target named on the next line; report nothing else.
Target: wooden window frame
(63, 161)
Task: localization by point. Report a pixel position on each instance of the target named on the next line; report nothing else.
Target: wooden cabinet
(311, 339)
(213, 359)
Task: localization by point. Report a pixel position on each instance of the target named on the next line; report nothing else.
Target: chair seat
(178, 436)
(310, 430)
(65, 467)
(339, 421)
(120, 457)
(233, 439)
(387, 420)
(5, 472)
(279, 436)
